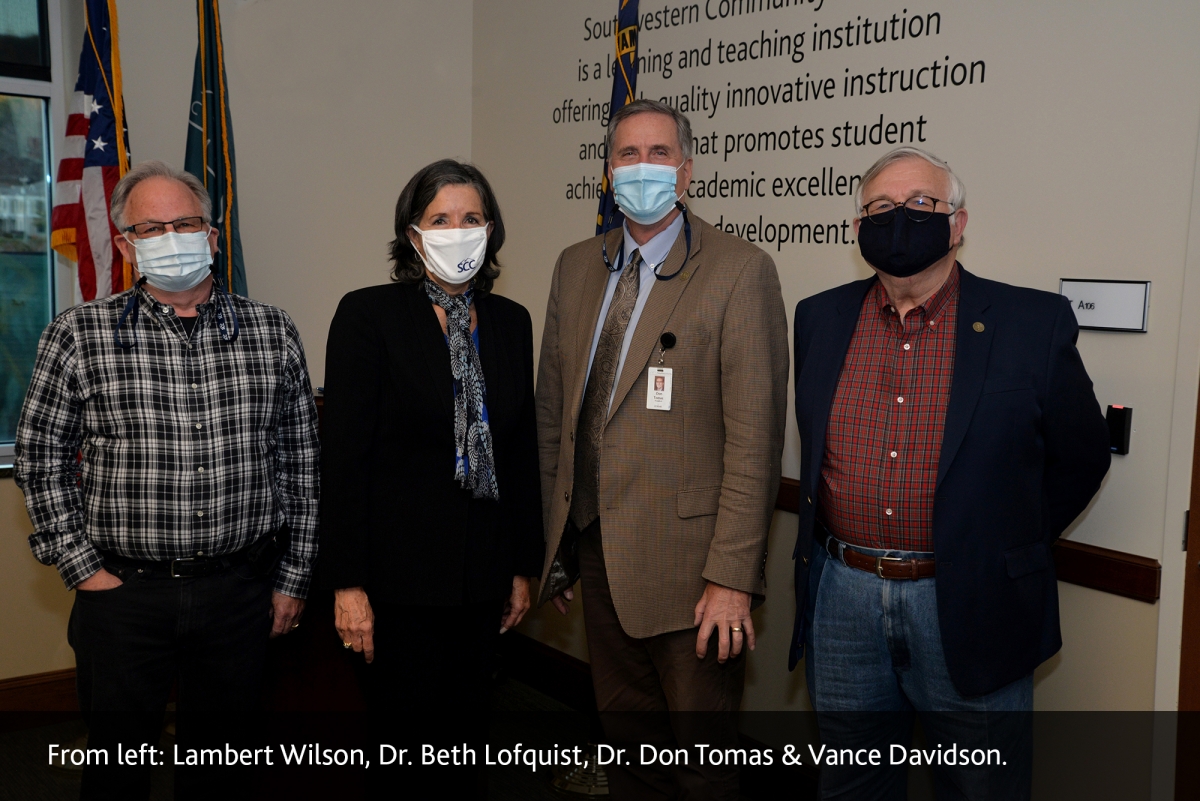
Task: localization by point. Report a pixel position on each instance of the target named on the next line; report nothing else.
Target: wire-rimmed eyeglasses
(153, 228)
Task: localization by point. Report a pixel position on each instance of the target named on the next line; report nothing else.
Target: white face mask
(454, 254)
(173, 262)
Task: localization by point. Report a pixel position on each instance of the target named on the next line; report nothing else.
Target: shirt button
(201, 514)
(201, 469)
(894, 455)
(906, 347)
(885, 511)
(201, 425)
(931, 322)
(199, 553)
(194, 386)
(898, 400)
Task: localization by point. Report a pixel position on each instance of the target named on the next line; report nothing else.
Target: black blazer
(1024, 450)
(393, 518)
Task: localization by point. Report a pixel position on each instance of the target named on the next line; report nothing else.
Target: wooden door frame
(1189, 649)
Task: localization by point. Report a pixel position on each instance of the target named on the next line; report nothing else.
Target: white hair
(958, 192)
(155, 169)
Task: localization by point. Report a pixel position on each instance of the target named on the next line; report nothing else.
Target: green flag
(210, 145)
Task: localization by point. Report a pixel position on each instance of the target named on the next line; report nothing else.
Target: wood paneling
(1106, 570)
(1189, 657)
(40, 692)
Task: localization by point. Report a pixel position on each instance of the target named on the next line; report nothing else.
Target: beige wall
(35, 604)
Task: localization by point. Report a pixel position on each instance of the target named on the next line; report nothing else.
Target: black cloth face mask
(902, 247)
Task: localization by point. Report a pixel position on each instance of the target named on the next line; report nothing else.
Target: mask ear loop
(608, 226)
(131, 312)
(687, 238)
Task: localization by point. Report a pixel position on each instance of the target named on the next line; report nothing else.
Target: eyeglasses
(153, 228)
(918, 209)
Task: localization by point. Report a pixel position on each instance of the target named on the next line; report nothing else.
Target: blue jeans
(874, 662)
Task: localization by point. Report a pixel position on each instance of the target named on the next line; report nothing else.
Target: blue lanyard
(130, 312)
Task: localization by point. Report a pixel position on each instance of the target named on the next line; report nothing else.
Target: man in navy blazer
(949, 435)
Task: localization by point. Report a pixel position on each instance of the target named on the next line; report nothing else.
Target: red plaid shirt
(886, 423)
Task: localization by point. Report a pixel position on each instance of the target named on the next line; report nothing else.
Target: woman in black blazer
(431, 519)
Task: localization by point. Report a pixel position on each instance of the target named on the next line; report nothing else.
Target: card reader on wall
(1120, 426)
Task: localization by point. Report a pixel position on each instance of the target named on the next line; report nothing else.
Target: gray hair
(683, 127)
(958, 192)
(155, 169)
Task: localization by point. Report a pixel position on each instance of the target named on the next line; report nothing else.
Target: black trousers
(431, 683)
(133, 642)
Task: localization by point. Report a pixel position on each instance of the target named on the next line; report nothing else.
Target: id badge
(658, 389)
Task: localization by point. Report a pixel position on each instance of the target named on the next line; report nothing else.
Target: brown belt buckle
(177, 561)
(879, 560)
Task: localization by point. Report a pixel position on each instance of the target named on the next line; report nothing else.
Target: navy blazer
(1025, 448)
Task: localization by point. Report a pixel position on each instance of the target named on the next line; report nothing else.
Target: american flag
(95, 156)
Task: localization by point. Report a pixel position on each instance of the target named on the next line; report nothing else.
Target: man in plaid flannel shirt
(168, 454)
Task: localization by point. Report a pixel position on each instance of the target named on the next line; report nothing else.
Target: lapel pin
(978, 327)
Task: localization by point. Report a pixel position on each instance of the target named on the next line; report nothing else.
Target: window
(26, 289)
(25, 39)
(31, 122)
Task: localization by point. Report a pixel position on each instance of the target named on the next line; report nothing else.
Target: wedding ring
(347, 645)
(295, 625)
(736, 628)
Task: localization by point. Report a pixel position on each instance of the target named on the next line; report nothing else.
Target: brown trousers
(655, 694)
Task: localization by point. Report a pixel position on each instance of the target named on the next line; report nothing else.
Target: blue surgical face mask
(645, 192)
(174, 262)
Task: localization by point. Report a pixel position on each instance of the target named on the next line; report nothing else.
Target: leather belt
(886, 567)
(191, 567)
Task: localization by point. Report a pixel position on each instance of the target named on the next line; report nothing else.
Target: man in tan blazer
(666, 496)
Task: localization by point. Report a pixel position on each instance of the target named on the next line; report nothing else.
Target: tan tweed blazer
(686, 495)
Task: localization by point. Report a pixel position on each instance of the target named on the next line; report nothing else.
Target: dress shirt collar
(933, 308)
(159, 309)
(656, 250)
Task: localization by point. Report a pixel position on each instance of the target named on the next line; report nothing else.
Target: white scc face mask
(454, 254)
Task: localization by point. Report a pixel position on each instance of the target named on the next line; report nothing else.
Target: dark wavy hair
(422, 188)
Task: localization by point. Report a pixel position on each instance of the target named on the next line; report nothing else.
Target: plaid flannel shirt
(884, 440)
(191, 445)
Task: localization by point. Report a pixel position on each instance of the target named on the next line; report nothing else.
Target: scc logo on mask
(465, 265)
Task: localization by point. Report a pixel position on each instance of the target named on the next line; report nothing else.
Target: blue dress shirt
(653, 254)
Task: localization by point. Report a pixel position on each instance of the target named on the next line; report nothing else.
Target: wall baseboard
(1090, 566)
(40, 692)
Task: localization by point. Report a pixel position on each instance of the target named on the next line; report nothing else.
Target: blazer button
(572, 436)
(566, 496)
